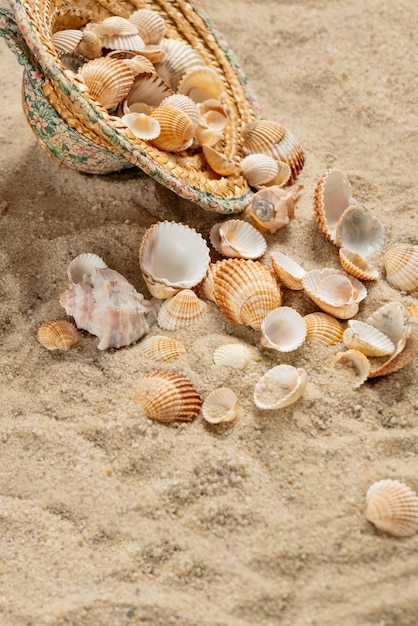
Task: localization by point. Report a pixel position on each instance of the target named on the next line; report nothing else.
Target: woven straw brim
(186, 173)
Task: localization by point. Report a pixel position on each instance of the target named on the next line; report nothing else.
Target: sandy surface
(109, 519)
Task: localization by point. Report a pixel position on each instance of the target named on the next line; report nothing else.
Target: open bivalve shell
(236, 238)
(200, 84)
(272, 208)
(58, 335)
(356, 360)
(179, 58)
(142, 126)
(161, 348)
(356, 265)
(367, 339)
(360, 231)
(334, 291)
(220, 406)
(288, 272)
(172, 256)
(283, 329)
(118, 33)
(332, 196)
(245, 291)
(236, 355)
(407, 350)
(281, 386)
(167, 397)
(392, 507)
(323, 329)
(181, 310)
(401, 266)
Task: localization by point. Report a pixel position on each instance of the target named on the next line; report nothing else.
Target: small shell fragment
(279, 387)
(161, 348)
(220, 406)
(355, 265)
(392, 507)
(369, 340)
(58, 335)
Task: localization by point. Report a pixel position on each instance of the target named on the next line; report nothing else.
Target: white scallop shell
(392, 507)
(236, 238)
(83, 266)
(220, 406)
(334, 291)
(236, 355)
(289, 272)
(283, 329)
(66, 40)
(391, 319)
(259, 169)
(369, 340)
(279, 387)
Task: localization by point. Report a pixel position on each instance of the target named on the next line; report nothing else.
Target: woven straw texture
(77, 131)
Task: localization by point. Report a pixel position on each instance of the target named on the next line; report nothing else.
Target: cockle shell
(90, 45)
(281, 386)
(334, 291)
(58, 335)
(118, 33)
(259, 169)
(401, 266)
(268, 137)
(108, 80)
(236, 238)
(205, 288)
(283, 329)
(367, 339)
(220, 406)
(200, 84)
(82, 267)
(141, 125)
(360, 230)
(236, 355)
(179, 58)
(272, 208)
(148, 89)
(181, 310)
(392, 507)
(391, 319)
(332, 196)
(151, 26)
(406, 351)
(356, 359)
(161, 348)
(213, 114)
(167, 397)
(356, 265)
(172, 256)
(288, 272)
(66, 40)
(220, 163)
(140, 65)
(177, 129)
(245, 291)
(185, 104)
(323, 329)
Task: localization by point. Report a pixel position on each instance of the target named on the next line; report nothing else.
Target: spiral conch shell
(272, 208)
(392, 507)
(281, 386)
(58, 335)
(167, 397)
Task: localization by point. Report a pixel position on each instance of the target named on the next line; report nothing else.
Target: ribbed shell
(323, 329)
(185, 104)
(401, 265)
(392, 507)
(115, 25)
(148, 89)
(90, 45)
(66, 40)
(205, 288)
(83, 266)
(360, 231)
(281, 386)
(151, 26)
(268, 137)
(259, 169)
(177, 129)
(181, 310)
(161, 348)
(167, 397)
(288, 272)
(140, 65)
(369, 340)
(236, 238)
(245, 291)
(356, 265)
(180, 57)
(283, 329)
(58, 335)
(220, 406)
(236, 355)
(391, 319)
(332, 196)
(406, 351)
(108, 80)
(334, 291)
(358, 360)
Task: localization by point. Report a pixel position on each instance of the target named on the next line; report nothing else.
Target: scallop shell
(213, 114)
(236, 238)
(259, 169)
(245, 291)
(179, 58)
(140, 65)
(82, 267)
(141, 125)
(392, 507)
(167, 397)
(220, 163)
(281, 386)
(148, 89)
(172, 256)
(181, 310)
(58, 335)
(356, 265)
(90, 45)
(66, 40)
(177, 130)
(323, 329)
(268, 137)
(391, 319)
(206, 136)
(367, 339)
(401, 266)
(288, 272)
(220, 406)
(356, 359)
(151, 26)
(236, 355)
(332, 196)
(334, 291)
(72, 61)
(205, 288)
(200, 84)
(406, 351)
(185, 104)
(360, 231)
(108, 80)
(283, 329)
(161, 348)
(272, 208)
(118, 33)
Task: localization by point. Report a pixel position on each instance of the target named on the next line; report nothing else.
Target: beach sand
(109, 519)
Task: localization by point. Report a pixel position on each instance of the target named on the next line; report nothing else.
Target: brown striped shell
(181, 310)
(167, 397)
(323, 329)
(161, 348)
(288, 272)
(177, 129)
(355, 265)
(108, 80)
(58, 335)
(392, 507)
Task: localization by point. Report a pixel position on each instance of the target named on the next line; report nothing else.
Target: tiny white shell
(283, 329)
(221, 405)
(238, 239)
(392, 507)
(237, 355)
(279, 387)
(369, 340)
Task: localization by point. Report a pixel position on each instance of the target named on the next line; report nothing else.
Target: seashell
(148, 89)
(356, 359)
(259, 169)
(236, 355)
(401, 266)
(272, 208)
(172, 256)
(153, 53)
(90, 45)
(334, 291)
(58, 335)
(332, 196)
(356, 265)
(200, 84)
(151, 26)
(179, 58)
(140, 65)
(118, 33)
(288, 272)
(82, 267)
(108, 80)
(177, 130)
(407, 349)
(185, 104)
(391, 319)
(392, 507)
(281, 386)
(282, 177)
(135, 107)
(412, 311)
(273, 139)
(236, 238)
(283, 329)
(78, 302)
(205, 288)
(213, 113)
(209, 137)
(360, 231)
(245, 291)
(367, 339)
(323, 329)
(220, 406)
(219, 162)
(167, 397)
(161, 348)
(181, 310)
(72, 60)
(66, 40)
(142, 126)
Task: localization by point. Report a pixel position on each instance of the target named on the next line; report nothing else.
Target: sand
(109, 519)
